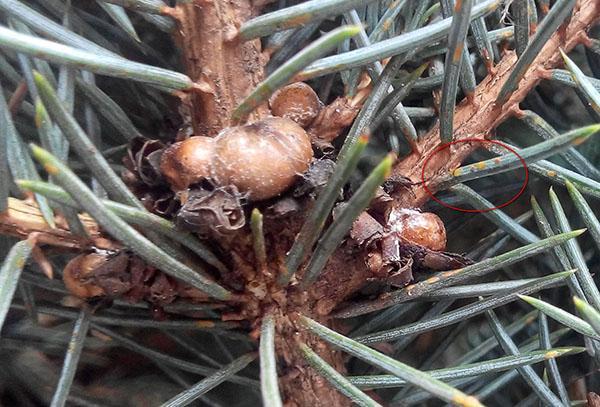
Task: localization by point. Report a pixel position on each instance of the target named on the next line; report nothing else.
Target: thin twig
(22, 218)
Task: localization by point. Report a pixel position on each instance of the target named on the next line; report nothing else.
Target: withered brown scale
(219, 210)
(119, 274)
(422, 228)
(142, 161)
(298, 102)
(262, 159)
(187, 162)
(78, 275)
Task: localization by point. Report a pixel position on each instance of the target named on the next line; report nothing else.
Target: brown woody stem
(226, 71)
(224, 68)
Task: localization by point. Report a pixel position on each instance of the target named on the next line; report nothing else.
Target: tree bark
(225, 68)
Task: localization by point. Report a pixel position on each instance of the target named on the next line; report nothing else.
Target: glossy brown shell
(297, 102)
(187, 162)
(423, 228)
(261, 159)
(78, 275)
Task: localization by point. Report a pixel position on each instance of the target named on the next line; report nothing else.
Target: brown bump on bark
(297, 102)
(187, 162)
(262, 159)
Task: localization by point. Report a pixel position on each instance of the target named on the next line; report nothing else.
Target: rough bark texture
(307, 386)
(478, 119)
(300, 385)
(225, 68)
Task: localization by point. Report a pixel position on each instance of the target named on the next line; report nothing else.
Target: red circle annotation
(474, 140)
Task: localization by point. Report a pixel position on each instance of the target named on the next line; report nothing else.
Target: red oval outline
(474, 140)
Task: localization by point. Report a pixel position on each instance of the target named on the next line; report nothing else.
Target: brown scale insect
(260, 159)
(297, 102)
(78, 275)
(407, 241)
(187, 162)
(422, 228)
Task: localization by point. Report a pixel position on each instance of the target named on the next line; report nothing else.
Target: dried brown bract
(282, 208)
(143, 158)
(217, 211)
(315, 178)
(112, 274)
(331, 121)
(440, 261)
(144, 177)
(365, 229)
(161, 202)
(119, 274)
